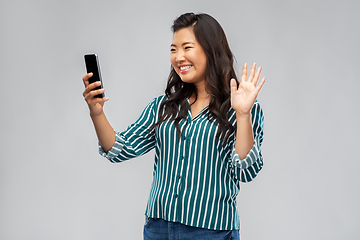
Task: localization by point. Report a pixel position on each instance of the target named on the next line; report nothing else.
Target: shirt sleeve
(246, 169)
(137, 139)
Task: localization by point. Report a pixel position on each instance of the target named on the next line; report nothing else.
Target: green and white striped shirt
(196, 179)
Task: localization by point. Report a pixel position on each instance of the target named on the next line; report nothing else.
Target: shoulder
(155, 104)
(157, 101)
(160, 98)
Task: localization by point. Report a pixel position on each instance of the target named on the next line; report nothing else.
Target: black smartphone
(92, 65)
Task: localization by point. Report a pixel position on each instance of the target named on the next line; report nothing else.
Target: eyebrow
(173, 45)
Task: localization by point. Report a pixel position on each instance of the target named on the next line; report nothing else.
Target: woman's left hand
(243, 98)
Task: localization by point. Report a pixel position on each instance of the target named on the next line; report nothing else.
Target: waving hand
(244, 96)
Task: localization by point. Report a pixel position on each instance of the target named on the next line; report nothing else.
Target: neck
(202, 94)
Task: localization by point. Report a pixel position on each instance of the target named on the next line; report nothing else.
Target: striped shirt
(196, 179)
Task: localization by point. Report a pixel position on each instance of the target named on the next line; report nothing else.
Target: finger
(257, 75)
(86, 78)
(258, 88)
(93, 93)
(91, 87)
(252, 72)
(233, 85)
(94, 101)
(244, 72)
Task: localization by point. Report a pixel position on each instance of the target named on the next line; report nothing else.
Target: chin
(187, 79)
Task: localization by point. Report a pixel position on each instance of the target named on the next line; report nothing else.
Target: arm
(242, 100)
(138, 139)
(104, 131)
(244, 135)
(247, 167)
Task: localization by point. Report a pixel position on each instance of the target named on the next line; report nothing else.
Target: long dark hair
(219, 72)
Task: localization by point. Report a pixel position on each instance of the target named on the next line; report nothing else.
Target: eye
(187, 47)
(172, 50)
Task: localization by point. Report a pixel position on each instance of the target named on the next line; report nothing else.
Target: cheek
(198, 58)
(203, 62)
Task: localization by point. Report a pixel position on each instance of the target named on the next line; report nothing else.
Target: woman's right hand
(95, 104)
(104, 131)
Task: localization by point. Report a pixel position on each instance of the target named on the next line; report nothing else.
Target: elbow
(250, 173)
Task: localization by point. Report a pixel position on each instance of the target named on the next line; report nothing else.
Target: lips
(185, 68)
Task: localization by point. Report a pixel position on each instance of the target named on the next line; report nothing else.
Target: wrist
(94, 116)
(245, 116)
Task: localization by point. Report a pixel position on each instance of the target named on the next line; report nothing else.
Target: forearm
(104, 131)
(244, 135)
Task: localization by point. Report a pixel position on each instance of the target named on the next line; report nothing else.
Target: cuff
(249, 160)
(115, 150)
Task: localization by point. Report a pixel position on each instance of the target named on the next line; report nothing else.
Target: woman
(206, 130)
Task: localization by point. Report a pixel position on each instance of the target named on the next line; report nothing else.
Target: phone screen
(92, 65)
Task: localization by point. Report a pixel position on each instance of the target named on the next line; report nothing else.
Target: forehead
(184, 35)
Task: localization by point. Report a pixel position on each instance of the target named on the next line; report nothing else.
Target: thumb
(233, 86)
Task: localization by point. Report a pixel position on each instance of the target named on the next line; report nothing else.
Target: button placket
(184, 153)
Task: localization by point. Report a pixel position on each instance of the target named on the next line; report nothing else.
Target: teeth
(185, 67)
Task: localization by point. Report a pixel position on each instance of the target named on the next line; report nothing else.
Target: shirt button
(176, 195)
(179, 177)
(182, 157)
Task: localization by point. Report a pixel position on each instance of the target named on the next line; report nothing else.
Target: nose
(179, 57)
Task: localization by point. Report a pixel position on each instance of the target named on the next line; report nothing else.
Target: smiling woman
(206, 131)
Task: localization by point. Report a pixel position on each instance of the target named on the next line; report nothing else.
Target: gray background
(54, 185)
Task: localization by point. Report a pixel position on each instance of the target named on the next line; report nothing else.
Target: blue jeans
(159, 229)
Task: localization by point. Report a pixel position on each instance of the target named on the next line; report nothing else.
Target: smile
(184, 69)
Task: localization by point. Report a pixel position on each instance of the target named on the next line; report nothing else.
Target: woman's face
(188, 57)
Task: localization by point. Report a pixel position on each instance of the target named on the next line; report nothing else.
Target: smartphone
(92, 65)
